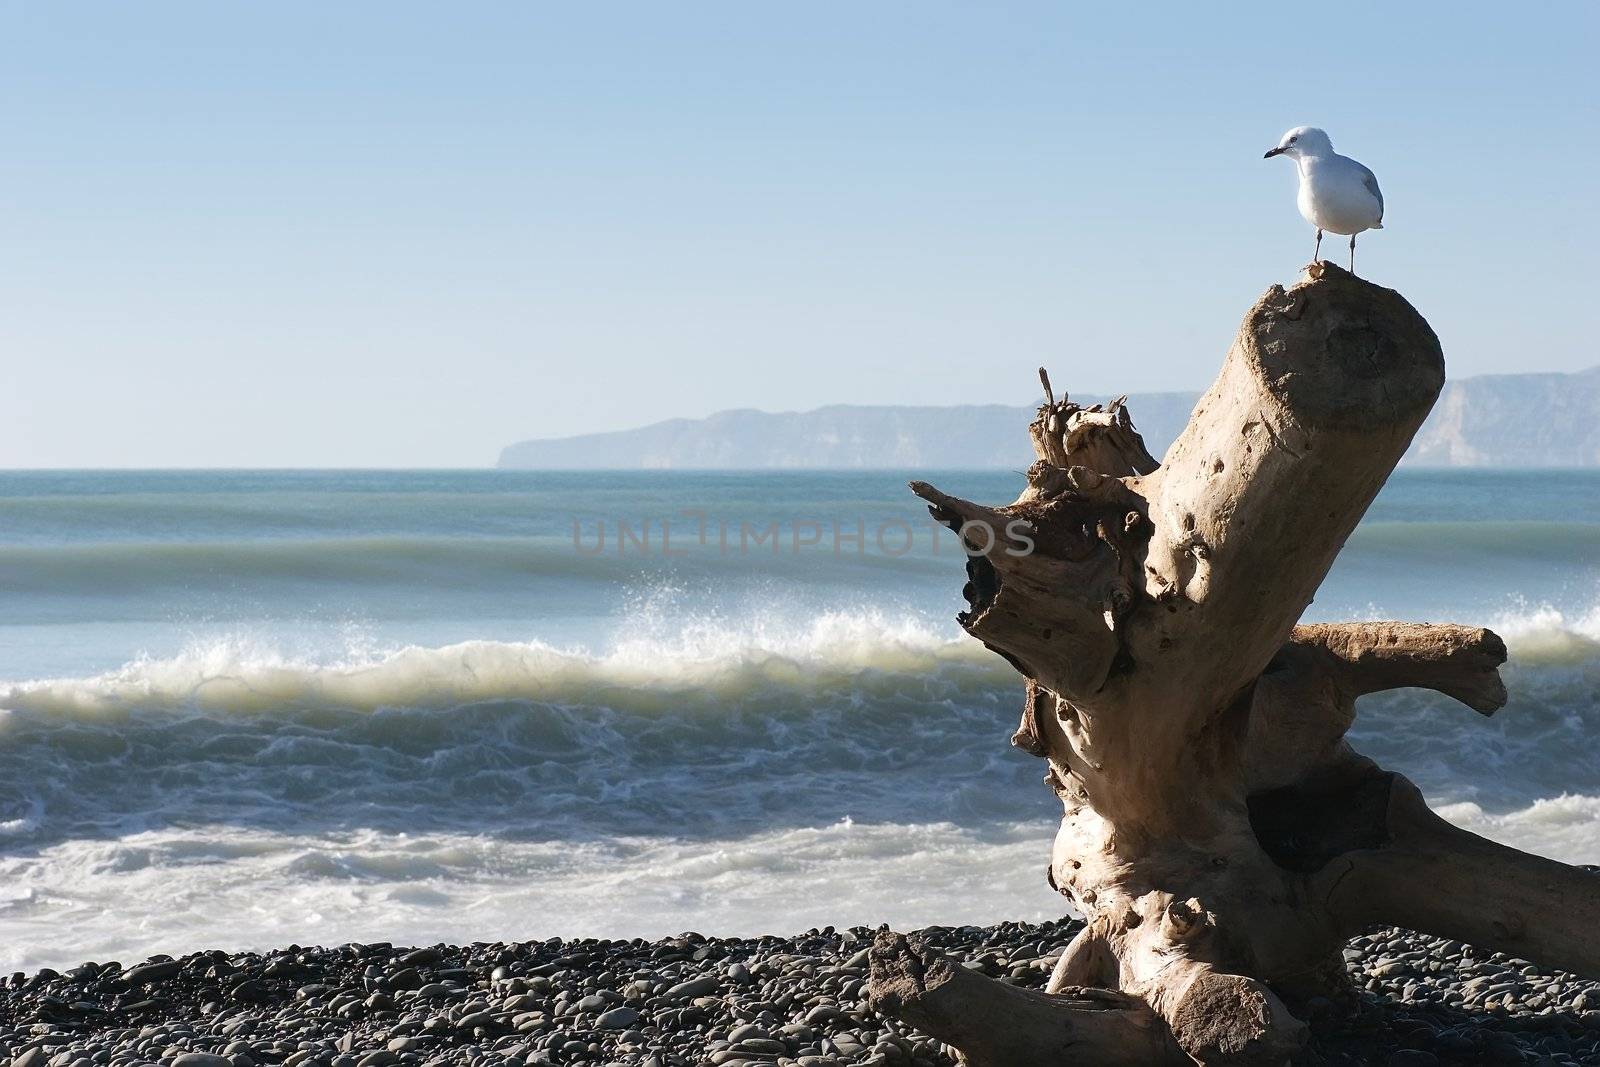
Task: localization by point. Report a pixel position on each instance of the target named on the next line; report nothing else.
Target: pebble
(689, 1000)
(618, 1019)
(154, 971)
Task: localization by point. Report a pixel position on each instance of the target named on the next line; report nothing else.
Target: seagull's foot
(1316, 268)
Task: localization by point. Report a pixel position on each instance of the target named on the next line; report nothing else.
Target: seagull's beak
(1274, 152)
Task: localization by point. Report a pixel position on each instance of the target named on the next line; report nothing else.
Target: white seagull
(1337, 194)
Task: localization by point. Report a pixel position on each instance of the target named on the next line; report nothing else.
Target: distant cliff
(1514, 420)
(1500, 420)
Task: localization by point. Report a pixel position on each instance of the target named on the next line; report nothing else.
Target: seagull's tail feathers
(1377, 225)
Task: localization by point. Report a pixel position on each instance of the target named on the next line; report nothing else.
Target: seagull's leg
(1315, 251)
(1352, 253)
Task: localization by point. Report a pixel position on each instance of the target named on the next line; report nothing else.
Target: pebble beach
(691, 999)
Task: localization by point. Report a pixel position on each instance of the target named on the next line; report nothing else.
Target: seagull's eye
(1292, 140)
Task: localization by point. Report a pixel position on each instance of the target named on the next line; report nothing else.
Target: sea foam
(648, 663)
(688, 773)
(650, 659)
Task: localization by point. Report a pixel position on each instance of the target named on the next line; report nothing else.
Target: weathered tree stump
(1220, 836)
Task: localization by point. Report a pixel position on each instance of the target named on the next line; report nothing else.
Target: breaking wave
(835, 651)
(860, 652)
(390, 792)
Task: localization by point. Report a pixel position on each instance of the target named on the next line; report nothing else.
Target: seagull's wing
(1371, 181)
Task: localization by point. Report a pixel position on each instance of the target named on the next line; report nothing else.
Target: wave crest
(1545, 635)
(719, 661)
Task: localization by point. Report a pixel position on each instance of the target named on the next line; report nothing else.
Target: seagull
(1337, 194)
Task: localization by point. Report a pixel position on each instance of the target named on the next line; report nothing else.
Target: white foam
(1566, 827)
(651, 651)
(236, 674)
(1542, 633)
(178, 894)
(127, 892)
(178, 890)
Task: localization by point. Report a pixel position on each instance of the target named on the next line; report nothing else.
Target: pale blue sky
(333, 234)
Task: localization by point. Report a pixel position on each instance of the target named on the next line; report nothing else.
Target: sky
(394, 235)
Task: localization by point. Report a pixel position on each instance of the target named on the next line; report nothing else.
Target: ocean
(248, 709)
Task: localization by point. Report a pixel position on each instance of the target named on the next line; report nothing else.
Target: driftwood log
(1220, 836)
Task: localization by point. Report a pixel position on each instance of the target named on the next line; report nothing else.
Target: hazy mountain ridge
(1514, 420)
(1497, 420)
